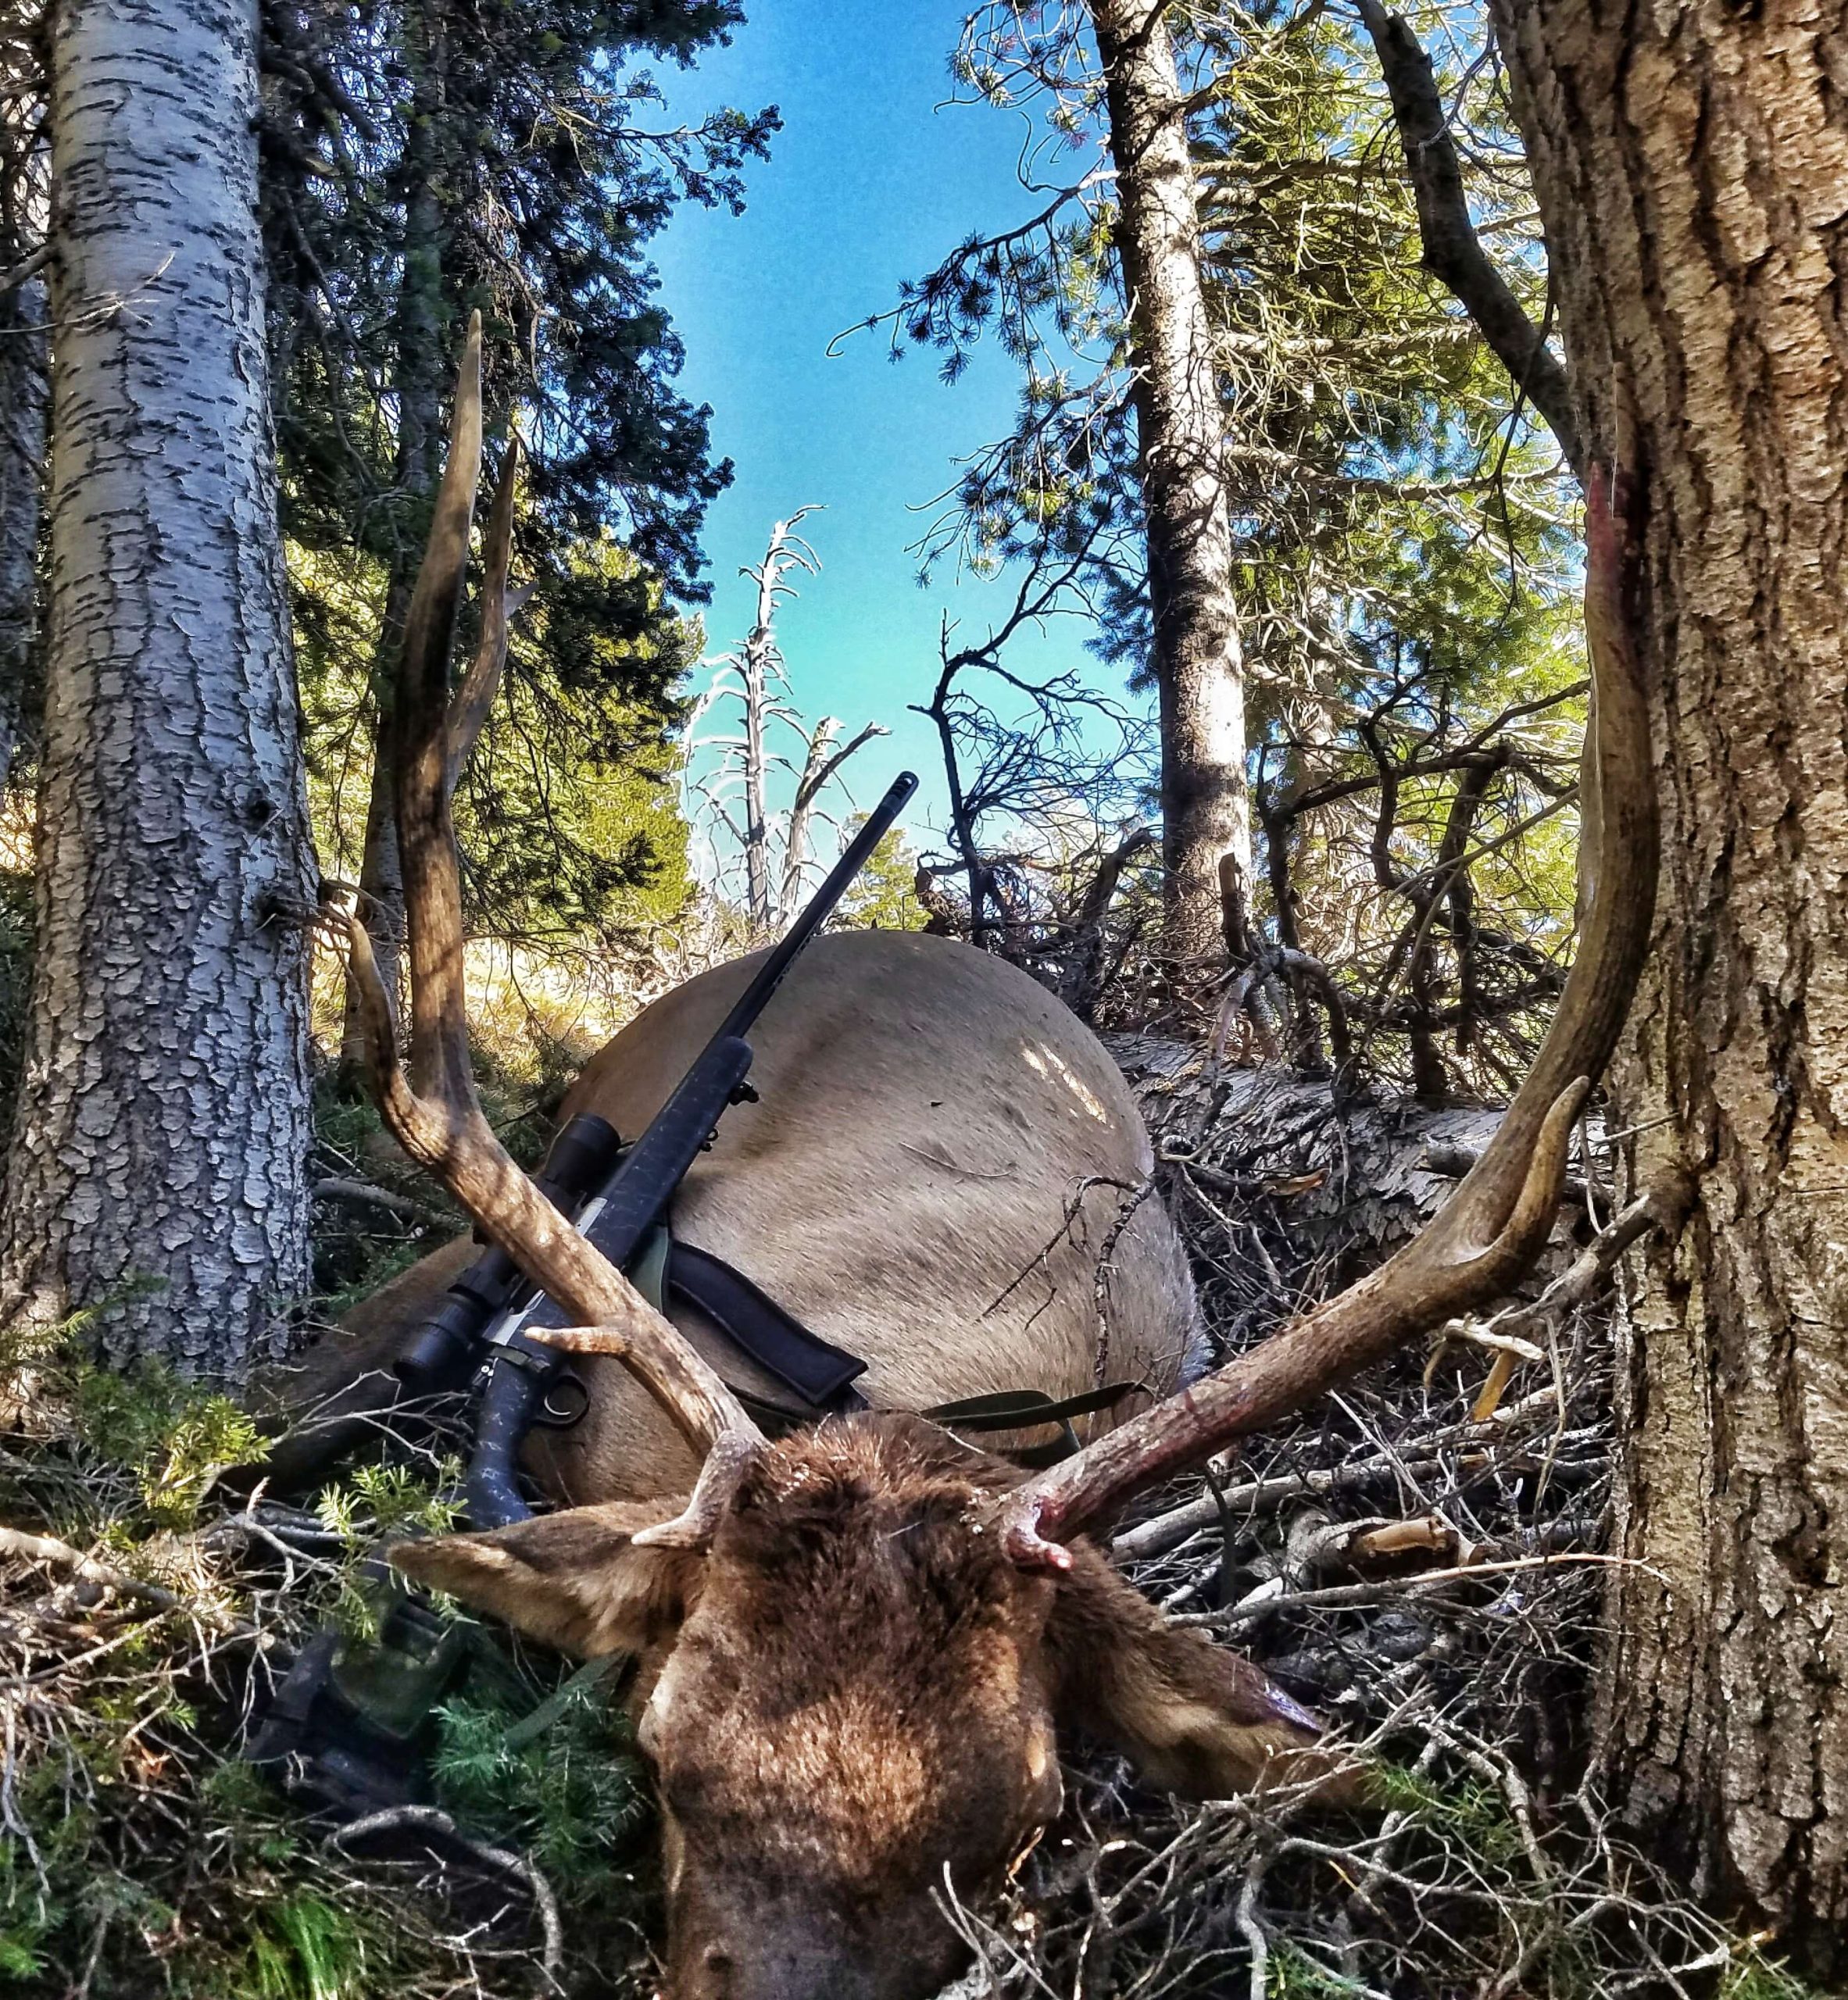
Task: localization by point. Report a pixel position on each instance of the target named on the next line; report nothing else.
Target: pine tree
(1689, 165)
(431, 158)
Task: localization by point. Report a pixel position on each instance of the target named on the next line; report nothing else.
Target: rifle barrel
(819, 907)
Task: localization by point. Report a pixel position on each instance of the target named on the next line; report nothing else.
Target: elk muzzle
(729, 1941)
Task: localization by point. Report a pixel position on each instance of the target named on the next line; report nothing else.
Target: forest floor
(1427, 1576)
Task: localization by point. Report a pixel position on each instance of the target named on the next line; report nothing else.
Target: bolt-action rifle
(615, 1196)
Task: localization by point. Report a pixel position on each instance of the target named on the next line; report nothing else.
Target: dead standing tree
(756, 665)
(756, 678)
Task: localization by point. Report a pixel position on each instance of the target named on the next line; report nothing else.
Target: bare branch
(1453, 253)
(1492, 1228)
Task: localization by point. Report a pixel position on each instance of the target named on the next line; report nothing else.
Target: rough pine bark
(1692, 163)
(1199, 664)
(158, 1168)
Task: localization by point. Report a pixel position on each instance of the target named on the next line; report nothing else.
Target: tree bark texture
(1692, 163)
(24, 398)
(158, 1168)
(422, 365)
(1199, 664)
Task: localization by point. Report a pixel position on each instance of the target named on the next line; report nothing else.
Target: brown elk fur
(855, 1689)
(939, 1156)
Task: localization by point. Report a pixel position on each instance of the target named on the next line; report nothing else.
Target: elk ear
(573, 1580)
(1193, 1717)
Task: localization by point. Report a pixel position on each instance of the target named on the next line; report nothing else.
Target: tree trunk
(157, 1172)
(817, 764)
(25, 382)
(421, 366)
(1198, 663)
(753, 670)
(1690, 163)
(23, 399)
(381, 873)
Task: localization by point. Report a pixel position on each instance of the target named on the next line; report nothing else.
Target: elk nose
(774, 1972)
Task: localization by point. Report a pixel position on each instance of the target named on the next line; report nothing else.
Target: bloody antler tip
(1024, 1545)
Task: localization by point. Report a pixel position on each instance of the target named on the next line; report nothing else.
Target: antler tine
(473, 700)
(433, 1112)
(1494, 1226)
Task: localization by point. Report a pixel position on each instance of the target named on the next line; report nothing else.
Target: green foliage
(884, 896)
(425, 159)
(1403, 552)
(22, 1345)
(568, 810)
(305, 1948)
(29, 1917)
(372, 1503)
(172, 1436)
(1471, 1812)
(1294, 1975)
(573, 1796)
(1749, 1975)
(377, 1500)
(422, 160)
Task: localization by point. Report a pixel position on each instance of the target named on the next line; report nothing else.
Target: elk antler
(433, 1112)
(1493, 1226)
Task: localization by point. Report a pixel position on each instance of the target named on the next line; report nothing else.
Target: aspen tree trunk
(25, 379)
(1691, 162)
(24, 398)
(1199, 665)
(163, 1128)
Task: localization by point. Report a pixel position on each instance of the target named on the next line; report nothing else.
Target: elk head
(858, 1648)
(851, 1697)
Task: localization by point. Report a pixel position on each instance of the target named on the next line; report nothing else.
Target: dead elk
(858, 1647)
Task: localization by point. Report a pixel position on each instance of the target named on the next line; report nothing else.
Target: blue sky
(868, 182)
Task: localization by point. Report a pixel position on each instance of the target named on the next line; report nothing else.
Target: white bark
(22, 401)
(163, 1114)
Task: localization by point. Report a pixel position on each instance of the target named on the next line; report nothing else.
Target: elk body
(940, 1158)
(859, 1646)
